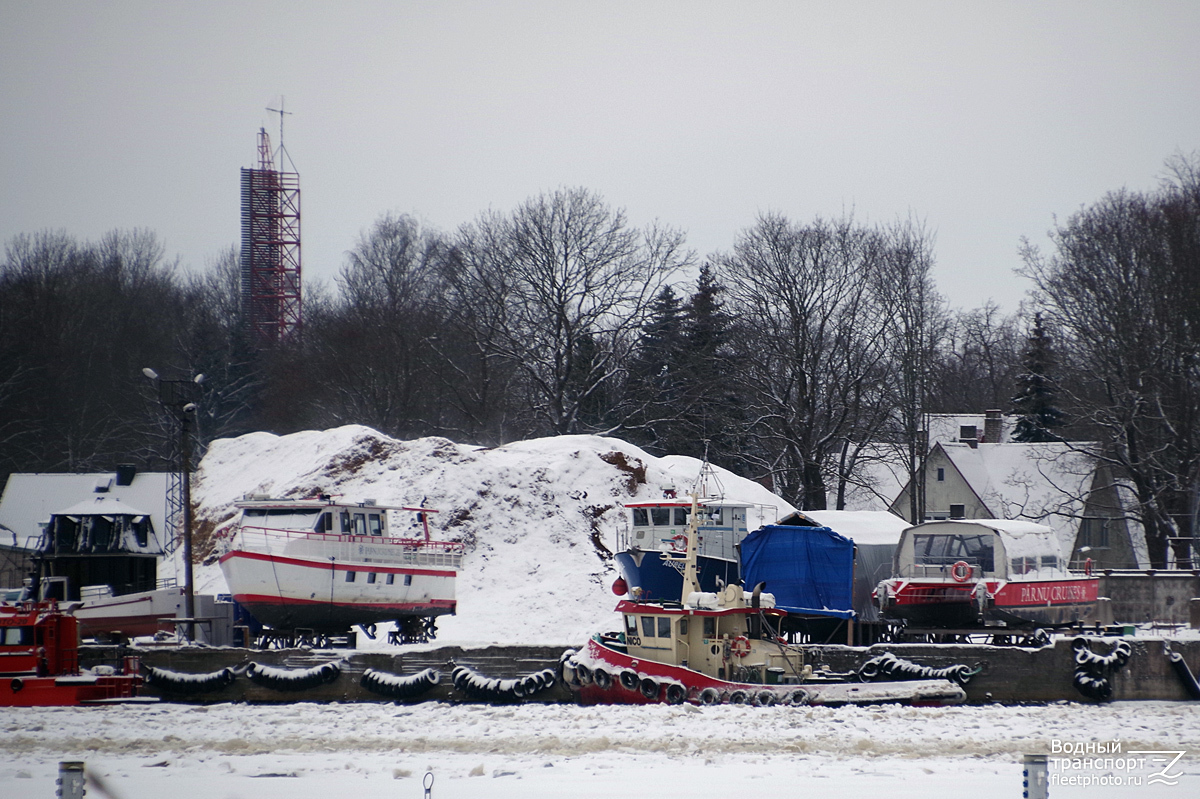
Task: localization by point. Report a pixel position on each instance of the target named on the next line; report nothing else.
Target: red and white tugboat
(39, 661)
(984, 573)
(722, 647)
(321, 567)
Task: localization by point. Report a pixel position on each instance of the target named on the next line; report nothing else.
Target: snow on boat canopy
(984, 572)
(324, 566)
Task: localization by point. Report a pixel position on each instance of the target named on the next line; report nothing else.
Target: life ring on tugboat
(1087, 567)
(679, 543)
(740, 646)
(961, 571)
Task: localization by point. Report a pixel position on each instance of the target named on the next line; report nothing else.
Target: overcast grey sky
(982, 119)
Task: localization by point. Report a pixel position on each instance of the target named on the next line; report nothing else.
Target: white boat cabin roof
(1020, 538)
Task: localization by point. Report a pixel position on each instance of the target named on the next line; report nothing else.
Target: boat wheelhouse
(649, 550)
(984, 572)
(103, 555)
(325, 566)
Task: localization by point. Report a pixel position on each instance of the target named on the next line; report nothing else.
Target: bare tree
(575, 286)
(1123, 284)
(812, 346)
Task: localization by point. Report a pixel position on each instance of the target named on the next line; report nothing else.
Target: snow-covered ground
(305, 751)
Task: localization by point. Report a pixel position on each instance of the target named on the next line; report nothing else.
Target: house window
(967, 432)
(958, 511)
(1093, 532)
(941, 475)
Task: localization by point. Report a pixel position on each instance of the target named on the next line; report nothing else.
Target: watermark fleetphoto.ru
(1105, 763)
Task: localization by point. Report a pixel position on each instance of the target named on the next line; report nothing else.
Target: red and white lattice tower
(271, 248)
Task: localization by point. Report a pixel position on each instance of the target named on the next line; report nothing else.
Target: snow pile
(539, 518)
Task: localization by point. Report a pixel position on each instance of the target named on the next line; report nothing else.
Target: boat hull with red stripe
(945, 603)
(326, 566)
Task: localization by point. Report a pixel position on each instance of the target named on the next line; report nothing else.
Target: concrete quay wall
(1007, 674)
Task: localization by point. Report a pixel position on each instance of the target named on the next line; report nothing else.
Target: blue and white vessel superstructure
(650, 549)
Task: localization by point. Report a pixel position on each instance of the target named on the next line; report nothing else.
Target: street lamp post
(179, 397)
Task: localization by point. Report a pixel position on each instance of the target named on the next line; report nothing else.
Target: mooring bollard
(70, 779)
(1037, 779)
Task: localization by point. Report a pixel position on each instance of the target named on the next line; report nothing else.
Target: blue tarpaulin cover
(808, 569)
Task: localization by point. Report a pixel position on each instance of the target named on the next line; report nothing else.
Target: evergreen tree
(711, 411)
(654, 372)
(1035, 402)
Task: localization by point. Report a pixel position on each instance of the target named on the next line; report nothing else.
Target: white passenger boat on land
(324, 566)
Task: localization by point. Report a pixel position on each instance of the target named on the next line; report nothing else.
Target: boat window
(944, 550)
(350, 577)
(324, 523)
(1049, 562)
(14, 636)
(345, 519)
(370, 578)
(141, 531)
(391, 579)
(376, 524)
(681, 515)
(683, 625)
(640, 517)
(717, 515)
(710, 627)
(664, 626)
(647, 626)
(631, 625)
(408, 579)
(660, 517)
(360, 524)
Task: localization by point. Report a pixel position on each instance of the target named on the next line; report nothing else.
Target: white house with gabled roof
(1052, 483)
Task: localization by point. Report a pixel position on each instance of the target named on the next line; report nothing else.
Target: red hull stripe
(1014, 594)
(267, 599)
(340, 567)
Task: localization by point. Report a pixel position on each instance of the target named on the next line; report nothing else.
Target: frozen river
(310, 751)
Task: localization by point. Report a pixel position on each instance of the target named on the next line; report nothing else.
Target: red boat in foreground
(984, 573)
(39, 661)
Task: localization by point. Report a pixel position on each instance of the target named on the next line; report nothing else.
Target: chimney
(969, 435)
(125, 474)
(993, 426)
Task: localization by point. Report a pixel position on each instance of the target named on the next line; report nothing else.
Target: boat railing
(350, 547)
